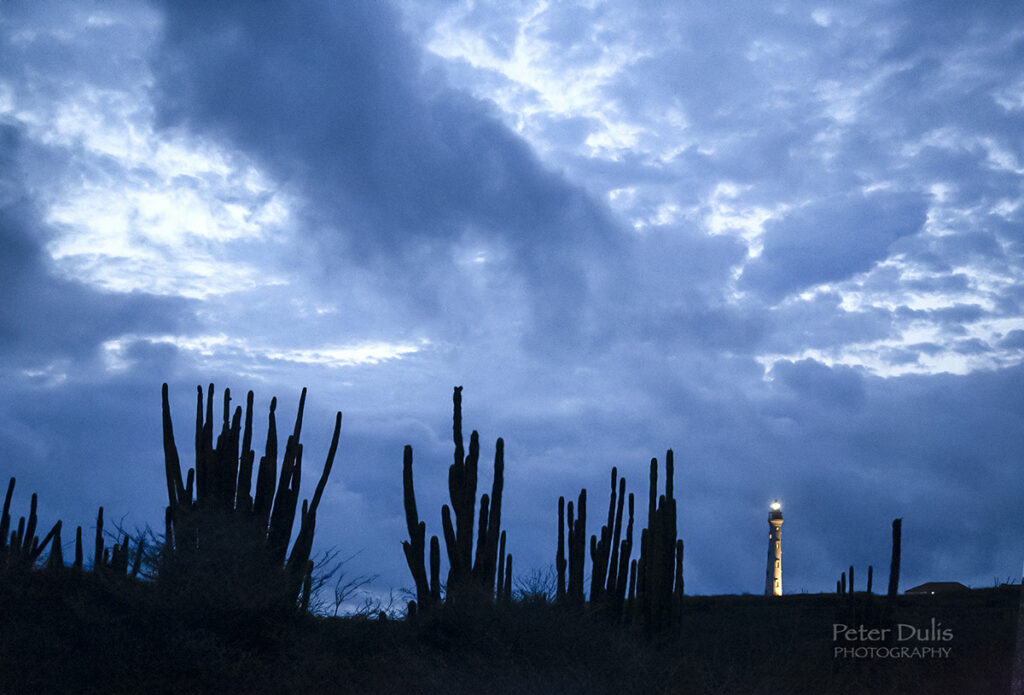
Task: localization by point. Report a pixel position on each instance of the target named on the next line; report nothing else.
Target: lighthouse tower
(773, 573)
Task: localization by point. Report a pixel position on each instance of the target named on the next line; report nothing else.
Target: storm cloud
(784, 242)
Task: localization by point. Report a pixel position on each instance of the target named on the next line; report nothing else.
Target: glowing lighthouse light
(775, 506)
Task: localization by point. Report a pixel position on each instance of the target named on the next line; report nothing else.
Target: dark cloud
(831, 387)
(395, 166)
(672, 291)
(822, 322)
(971, 346)
(421, 215)
(900, 357)
(956, 315)
(1013, 340)
(830, 240)
(952, 284)
(926, 348)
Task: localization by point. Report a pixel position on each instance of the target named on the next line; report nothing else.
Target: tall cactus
(613, 561)
(658, 550)
(415, 547)
(625, 550)
(678, 592)
(462, 478)
(212, 518)
(97, 558)
(485, 574)
(576, 523)
(648, 589)
(608, 574)
(600, 549)
(894, 565)
(469, 573)
(560, 559)
(506, 593)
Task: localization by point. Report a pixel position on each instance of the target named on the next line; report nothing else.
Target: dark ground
(80, 634)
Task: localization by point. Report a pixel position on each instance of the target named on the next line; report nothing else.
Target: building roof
(937, 588)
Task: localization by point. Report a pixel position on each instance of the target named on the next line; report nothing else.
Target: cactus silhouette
(577, 526)
(216, 531)
(609, 555)
(415, 547)
(22, 548)
(648, 590)
(470, 573)
(894, 564)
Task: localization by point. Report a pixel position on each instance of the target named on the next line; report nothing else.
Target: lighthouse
(773, 572)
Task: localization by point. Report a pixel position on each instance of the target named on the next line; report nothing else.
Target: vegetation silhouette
(645, 592)
(471, 577)
(225, 546)
(223, 601)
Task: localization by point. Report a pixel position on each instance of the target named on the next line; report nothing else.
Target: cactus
(5, 520)
(414, 548)
(435, 568)
(307, 586)
(39, 546)
(894, 566)
(501, 567)
(613, 562)
(560, 561)
(658, 553)
(56, 559)
(462, 478)
(679, 571)
(631, 597)
(20, 549)
(506, 593)
(649, 589)
(600, 550)
(30, 530)
(469, 573)
(490, 535)
(609, 573)
(212, 519)
(625, 550)
(77, 565)
(577, 527)
(97, 561)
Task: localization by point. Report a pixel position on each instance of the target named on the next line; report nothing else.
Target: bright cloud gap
(214, 347)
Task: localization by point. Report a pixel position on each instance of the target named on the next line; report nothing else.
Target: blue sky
(784, 239)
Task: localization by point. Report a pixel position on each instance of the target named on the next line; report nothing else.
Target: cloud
(47, 319)
(1013, 340)
(830, 241)
(395, 168)
(766, 238)
(822, 322)
(837, 387)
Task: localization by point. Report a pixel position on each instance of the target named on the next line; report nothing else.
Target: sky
(783, 239)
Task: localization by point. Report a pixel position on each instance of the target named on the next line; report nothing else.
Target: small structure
(932, 588)
(773, 572)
